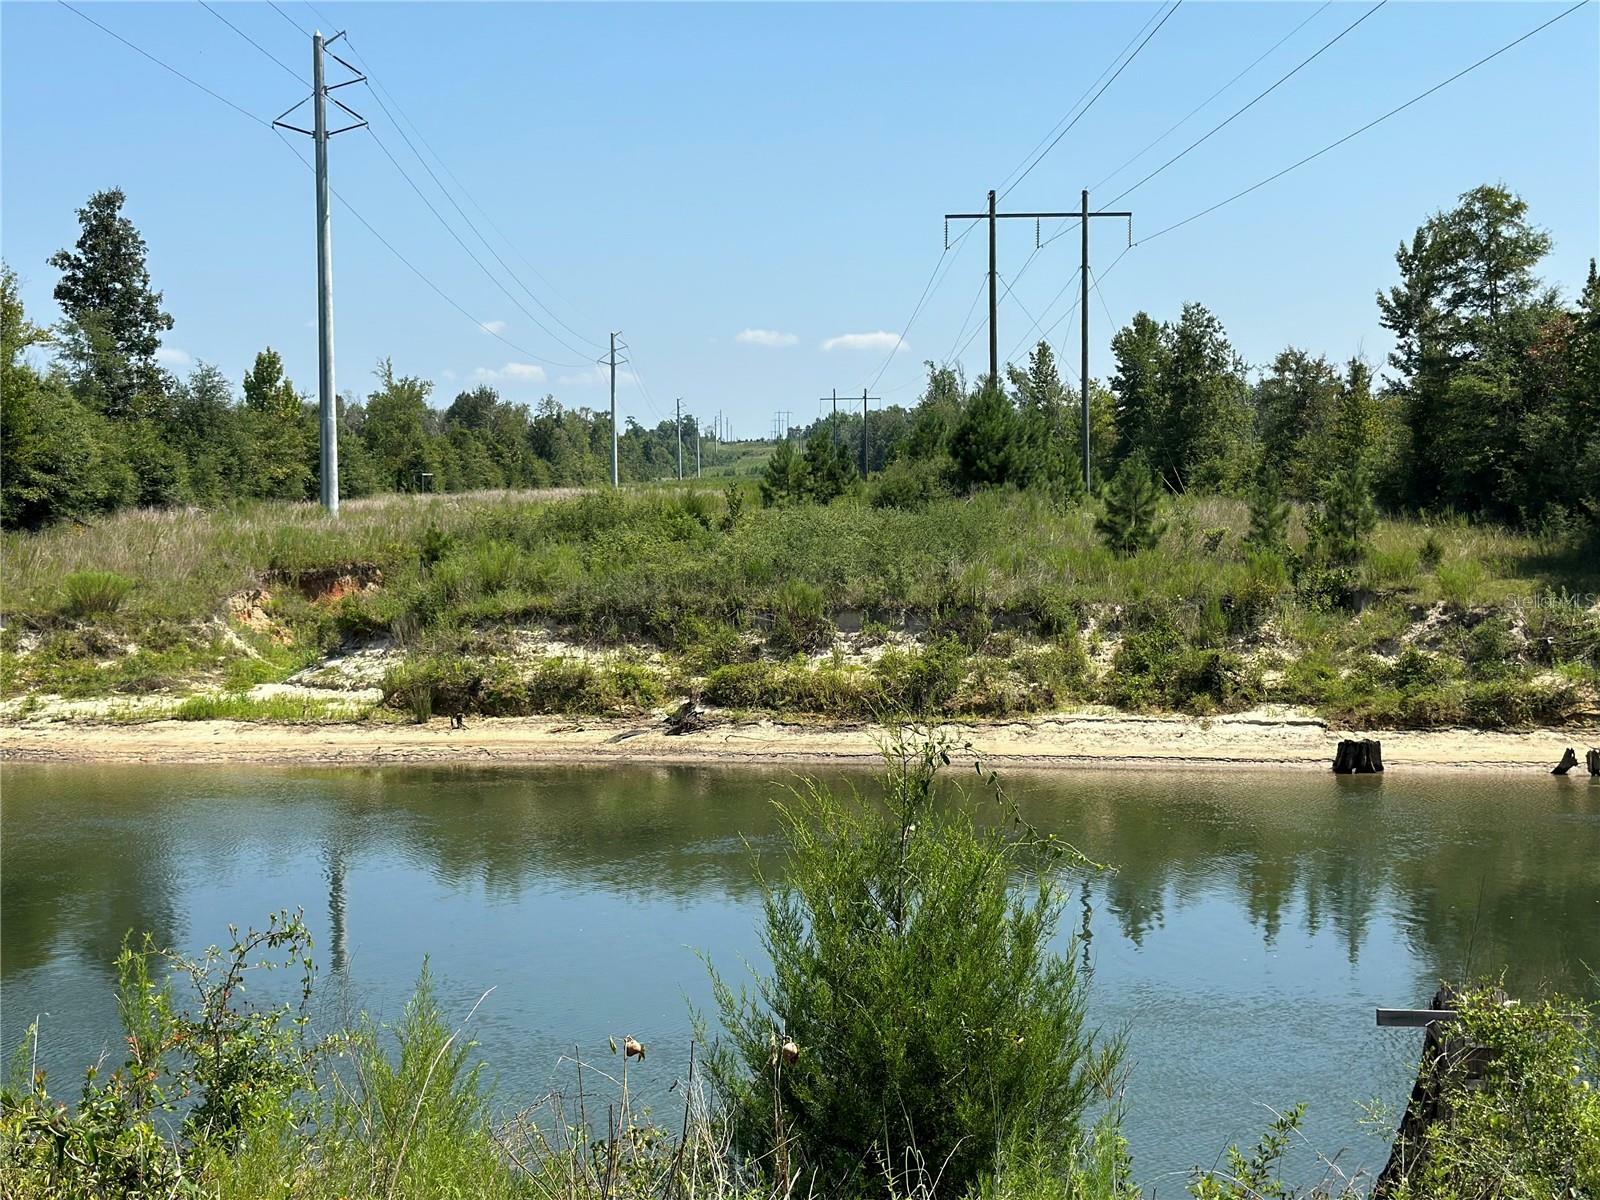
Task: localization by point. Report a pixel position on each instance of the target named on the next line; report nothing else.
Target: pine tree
(828, 468)
(114, 318)
(1131, 521)
(1269, 517)
(783, 479)
(986, 446)
(1349, 514)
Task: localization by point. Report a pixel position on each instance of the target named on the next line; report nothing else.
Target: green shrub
(1531, 1125)
(884, 1070)
(94, 593)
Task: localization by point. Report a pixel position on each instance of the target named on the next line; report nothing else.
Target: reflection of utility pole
(336, 908)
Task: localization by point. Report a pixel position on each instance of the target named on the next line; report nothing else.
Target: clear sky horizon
(753, 193)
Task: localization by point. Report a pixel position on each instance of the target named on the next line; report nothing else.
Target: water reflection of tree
(1479, 874)
(71, 880)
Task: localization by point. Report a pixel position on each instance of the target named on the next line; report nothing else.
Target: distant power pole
(864, 399)
(699, 436)
(614, 410)
(327, 398)
(1083, 302)
(834, 420)
(679, 422)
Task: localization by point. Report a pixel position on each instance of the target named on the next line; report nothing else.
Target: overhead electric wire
(246, 113)
(1176, 125)
(288, 18)
(1073, 107)
(298, 78)
(192, 82)
(380, 93)
(478, 262)
(1282, 79)
(1370, 124)
(1040, 158)
(927, 290)
(404, 174)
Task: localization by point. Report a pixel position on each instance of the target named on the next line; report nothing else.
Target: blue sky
(692, 173)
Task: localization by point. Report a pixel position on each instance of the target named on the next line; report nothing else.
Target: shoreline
(1277, 740)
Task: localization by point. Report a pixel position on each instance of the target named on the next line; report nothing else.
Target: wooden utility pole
(1083, 302)
(864, 459)
(614, 409)
(1083, 216)
(678, 421)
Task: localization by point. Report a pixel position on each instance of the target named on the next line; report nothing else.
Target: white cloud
(493, 326)
(512, 372)
(866, 341)
(172, 356)
(765, 337)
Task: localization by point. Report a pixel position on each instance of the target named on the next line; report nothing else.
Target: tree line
(1489, 407)
(105, 426)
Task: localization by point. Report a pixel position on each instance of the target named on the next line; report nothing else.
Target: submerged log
(1363, 757)
(1568, 761)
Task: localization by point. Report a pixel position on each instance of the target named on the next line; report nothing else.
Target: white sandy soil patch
(1275, 737)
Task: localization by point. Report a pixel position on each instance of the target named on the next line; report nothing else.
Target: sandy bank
(1263, 738)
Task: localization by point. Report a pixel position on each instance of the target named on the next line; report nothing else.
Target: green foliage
(94, 593)
(1269, 519)
(986, 446)
(896, 1061)
(1531, 1127)
(114, 320)
(1131, 521)
(784, 479)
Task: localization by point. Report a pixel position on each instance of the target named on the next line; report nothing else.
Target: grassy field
(997, 605)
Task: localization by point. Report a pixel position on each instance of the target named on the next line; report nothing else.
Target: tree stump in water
(1568, 761)
(1364, 757)
(1592, 760)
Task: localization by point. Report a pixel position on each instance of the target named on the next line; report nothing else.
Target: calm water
(1253, 923)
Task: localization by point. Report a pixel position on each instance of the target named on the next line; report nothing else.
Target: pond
(1252, 924)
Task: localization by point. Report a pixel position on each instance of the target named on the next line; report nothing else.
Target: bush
(94, 593)
(916, 1013)
(910, 483)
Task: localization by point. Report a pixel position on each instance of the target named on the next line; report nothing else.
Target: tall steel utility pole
(835, 418)
(614, 409)
(1083, 302)
(678, 403)
(327, 398)
(994, 303)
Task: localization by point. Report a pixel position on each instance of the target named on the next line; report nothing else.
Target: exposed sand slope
(1275, 738)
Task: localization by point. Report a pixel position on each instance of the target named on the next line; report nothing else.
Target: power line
(298, 78)
(1006, 182)
(1176, 125)
(380, 93)
(1096, 96)
(927, 290)
(1370, 124)
(295, 24)
(168, 67)
(478, 262)
(1254, 100)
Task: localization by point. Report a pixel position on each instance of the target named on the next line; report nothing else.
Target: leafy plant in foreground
(1131, 520)
(917, 1019)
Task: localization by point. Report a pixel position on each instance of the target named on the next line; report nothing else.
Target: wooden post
(1592, 760)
